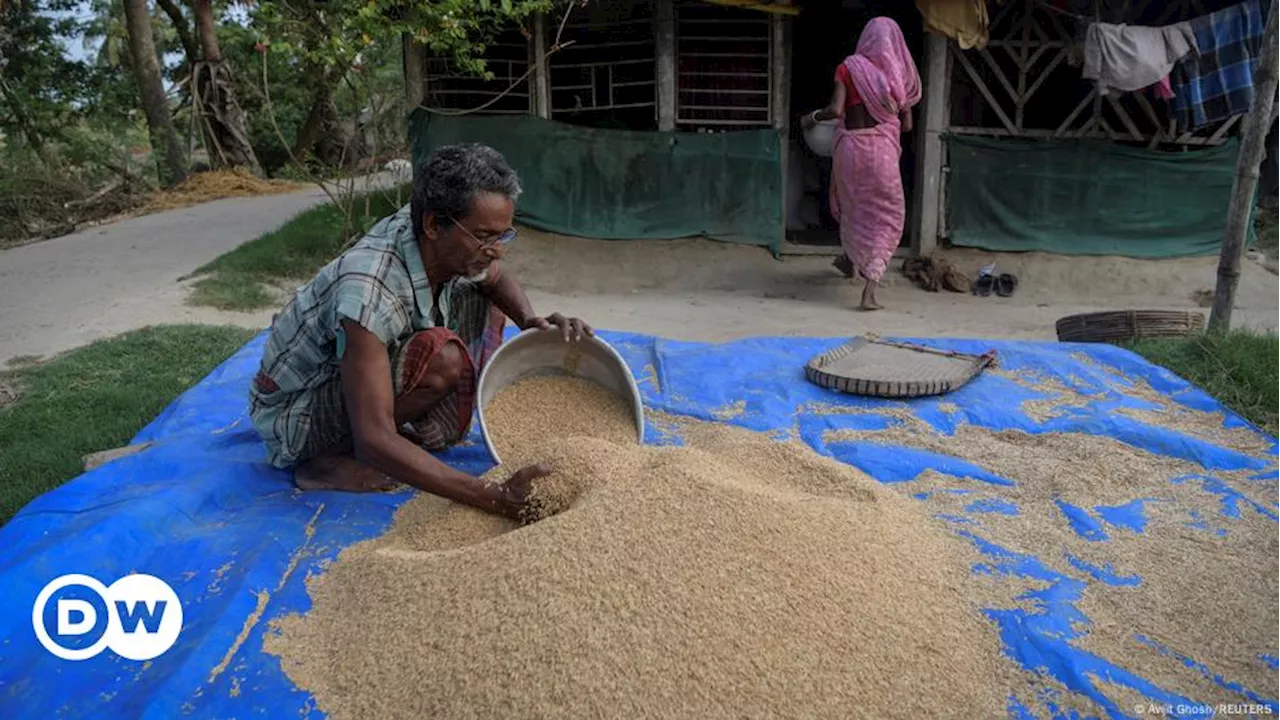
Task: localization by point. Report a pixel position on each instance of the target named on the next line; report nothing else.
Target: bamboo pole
(1253, 139)
(541, 74)
(665, 50)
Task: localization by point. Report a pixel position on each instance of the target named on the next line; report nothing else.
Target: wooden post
(1253, 139)
(779, 73)
(415, 69)
(929, 175)
(541, 73)
(780, 100)
(665, 40)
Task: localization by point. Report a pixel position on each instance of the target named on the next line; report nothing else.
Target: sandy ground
(696, 289)
(66, 292)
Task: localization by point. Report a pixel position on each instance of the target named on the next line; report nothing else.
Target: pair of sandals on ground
(1003, 285)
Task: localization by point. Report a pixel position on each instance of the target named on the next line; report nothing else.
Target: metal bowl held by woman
(541, 352)
(821, 138)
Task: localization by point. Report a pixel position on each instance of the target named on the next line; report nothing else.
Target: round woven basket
(879, 368)
(1119, 326)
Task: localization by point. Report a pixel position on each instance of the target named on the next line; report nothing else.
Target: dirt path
(63, 293)
(700, 290)
(66, 292)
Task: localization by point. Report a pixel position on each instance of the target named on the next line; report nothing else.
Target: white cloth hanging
(1131, 57)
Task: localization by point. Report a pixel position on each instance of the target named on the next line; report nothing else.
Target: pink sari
(866, 182)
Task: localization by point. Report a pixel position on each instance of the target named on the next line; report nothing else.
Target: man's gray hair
(447, 182)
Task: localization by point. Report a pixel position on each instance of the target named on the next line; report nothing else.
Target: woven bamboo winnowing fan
(879, 368)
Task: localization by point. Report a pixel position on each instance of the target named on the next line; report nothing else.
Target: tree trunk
(182, 28)
(207, 29)
(1253, 136)
(314, 126)
(337, 147)
(415, 77)
(322, 133)
(310, 131)
(165, 145)
(225, 129)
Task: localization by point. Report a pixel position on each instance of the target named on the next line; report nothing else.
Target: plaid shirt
(381, 283)
(1218, 82)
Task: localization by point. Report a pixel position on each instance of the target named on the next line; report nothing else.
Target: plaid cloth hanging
(1218, 82)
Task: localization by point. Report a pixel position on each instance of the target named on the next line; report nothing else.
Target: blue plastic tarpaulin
(202, 511)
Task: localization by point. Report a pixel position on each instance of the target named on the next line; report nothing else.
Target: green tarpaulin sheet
(624, 185)
(1081, 197)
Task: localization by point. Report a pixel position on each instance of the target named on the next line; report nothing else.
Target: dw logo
(76, 617)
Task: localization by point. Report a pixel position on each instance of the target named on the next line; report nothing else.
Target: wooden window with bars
(724, 63)
(450, 88)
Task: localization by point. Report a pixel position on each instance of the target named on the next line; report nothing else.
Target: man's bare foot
(870, 306)
(340, 472)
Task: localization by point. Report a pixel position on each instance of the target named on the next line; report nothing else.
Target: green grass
(96, 398)
(1241, 369)
(243, 278)
(232, 291)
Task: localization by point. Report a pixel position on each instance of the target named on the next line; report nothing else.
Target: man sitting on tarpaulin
(373, 364)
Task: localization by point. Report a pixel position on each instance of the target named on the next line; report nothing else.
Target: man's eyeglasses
(507, 236)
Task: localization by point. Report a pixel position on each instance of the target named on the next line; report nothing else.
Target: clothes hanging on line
(964, 20)
(1132, 57)
(1217, 82)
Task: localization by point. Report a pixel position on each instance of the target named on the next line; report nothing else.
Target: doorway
(823, 34)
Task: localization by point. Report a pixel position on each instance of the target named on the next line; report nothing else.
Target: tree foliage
(338, 32)
(288, 96)
(41, 91)
(332, 87)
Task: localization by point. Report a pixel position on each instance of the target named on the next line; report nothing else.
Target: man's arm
(505, 292)
(366, 384)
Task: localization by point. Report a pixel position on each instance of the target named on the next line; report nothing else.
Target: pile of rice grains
(739, 576)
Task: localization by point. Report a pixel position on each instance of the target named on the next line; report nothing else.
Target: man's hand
(514, 493)
(569, 327)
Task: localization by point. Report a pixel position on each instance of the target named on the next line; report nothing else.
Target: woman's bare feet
(340, 472)
(869, 298)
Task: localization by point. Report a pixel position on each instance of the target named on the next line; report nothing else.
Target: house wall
(607, 76)
(671, 65)
(624, 63)
(694, 67)
(724, 67)
(509, 92)
(1025, 87)
(1027, 81)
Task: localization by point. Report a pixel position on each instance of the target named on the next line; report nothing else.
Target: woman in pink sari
(875, 89)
